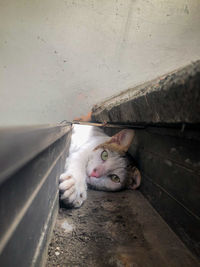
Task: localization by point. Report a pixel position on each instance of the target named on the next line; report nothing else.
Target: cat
(98, 161)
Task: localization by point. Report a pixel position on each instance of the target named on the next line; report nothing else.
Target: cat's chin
(92, 187)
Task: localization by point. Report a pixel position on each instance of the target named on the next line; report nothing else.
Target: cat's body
(97, 160)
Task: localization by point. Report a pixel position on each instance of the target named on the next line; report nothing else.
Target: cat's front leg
(73, 188)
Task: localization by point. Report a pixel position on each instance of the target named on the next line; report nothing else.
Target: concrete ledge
(172, 98)
(168, 155)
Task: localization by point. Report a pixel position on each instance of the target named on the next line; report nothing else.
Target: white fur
(83, 160)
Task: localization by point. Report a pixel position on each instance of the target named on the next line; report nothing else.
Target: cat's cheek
(87, 180)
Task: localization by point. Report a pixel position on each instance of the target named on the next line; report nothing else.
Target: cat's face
(106, 170)
(107, 166)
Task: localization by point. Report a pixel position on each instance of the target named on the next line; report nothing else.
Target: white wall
(58, 58)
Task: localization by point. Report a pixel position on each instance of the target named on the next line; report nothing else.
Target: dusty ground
(115, 229)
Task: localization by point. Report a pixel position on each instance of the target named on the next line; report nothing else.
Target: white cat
(99, 161)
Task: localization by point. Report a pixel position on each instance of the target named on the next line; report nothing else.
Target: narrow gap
(115, 225)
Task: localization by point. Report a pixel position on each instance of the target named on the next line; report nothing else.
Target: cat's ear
(134, 178)
(122, 140)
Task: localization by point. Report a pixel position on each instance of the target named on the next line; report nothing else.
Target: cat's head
(108, 168)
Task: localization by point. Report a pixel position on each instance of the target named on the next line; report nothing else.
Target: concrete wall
(58, 58)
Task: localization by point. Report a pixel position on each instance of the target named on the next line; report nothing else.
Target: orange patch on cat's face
(119, 142)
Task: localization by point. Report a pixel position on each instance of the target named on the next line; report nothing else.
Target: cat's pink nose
(95, 173)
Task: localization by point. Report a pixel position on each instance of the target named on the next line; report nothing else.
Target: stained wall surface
(58, 58)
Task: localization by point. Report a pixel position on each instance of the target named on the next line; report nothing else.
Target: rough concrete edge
(102, 112)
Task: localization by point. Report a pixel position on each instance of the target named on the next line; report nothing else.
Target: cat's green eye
(104, 155)
(115, 178)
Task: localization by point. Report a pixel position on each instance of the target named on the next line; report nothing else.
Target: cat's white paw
(73, 193)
